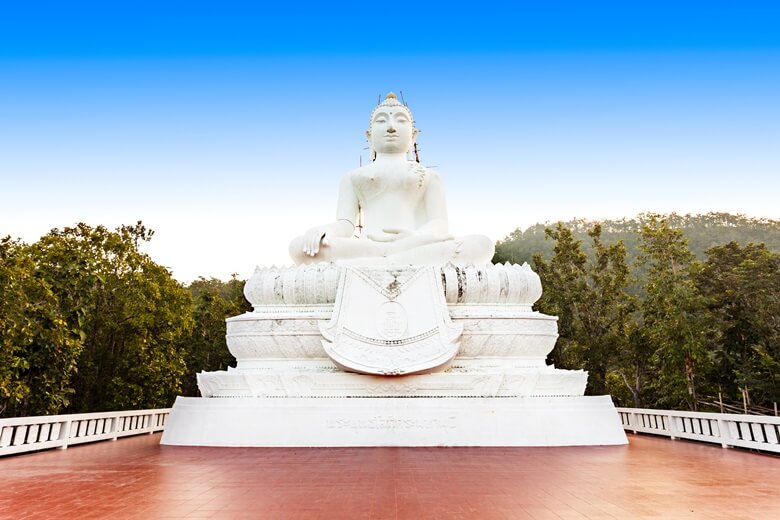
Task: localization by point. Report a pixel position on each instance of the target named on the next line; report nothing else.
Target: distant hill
(702, 231)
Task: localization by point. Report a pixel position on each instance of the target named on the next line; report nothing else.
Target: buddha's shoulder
(419, 168)
(361, 170)
(375, 168)
(372, 170)
(366, 171)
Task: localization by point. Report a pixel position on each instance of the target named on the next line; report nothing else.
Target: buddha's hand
(313, 238)
(391, 235)
(406, 238)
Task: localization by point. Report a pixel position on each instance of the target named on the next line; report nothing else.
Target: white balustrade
(759, 432)
(22, 434)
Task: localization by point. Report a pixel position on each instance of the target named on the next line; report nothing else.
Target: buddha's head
(391, 127)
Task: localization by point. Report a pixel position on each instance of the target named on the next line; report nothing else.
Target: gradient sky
(226, 129)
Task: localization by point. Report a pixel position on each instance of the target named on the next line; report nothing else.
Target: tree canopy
(702, 232)
(659, 323)
(91, 323)
(206, 348)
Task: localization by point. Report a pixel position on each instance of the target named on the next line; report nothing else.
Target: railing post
(632, 421)
(672, 426)
(64, 435)
(725, 435)
(156, 418)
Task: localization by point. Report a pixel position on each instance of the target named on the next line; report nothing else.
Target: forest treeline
(663, 311)
(701, 231)
(89, 323)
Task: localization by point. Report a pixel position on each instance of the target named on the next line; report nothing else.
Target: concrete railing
(760, 432)
(21, 434)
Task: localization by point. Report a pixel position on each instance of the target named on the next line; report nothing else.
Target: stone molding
(294, 333)
(316, 284)
(457, 381)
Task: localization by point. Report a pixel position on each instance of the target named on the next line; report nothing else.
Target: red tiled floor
(136, 478)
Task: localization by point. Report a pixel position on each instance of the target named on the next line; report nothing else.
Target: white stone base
(387, 421)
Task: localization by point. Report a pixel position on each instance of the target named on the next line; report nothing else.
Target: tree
(634, 366)
(742, 285)
(130, 312)
(206, 349)
(698, 327)
(38, 350)
(674, 321)
(588, 296)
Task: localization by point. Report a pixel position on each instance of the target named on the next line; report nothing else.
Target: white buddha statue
(402, 205)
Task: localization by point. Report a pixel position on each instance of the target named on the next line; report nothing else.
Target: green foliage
(693, 317)
(590, 300)
(702, 232)
(130, 313)
(206, 349)
(38, 349)
(652, 347)
(90, 323)
(742, 285)
(564, 283)
(673, 317)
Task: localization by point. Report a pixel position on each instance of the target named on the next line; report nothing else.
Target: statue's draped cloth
(391, 321)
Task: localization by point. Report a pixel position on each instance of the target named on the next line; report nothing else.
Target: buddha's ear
(371, 151)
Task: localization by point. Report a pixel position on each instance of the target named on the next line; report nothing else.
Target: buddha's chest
(408, 181)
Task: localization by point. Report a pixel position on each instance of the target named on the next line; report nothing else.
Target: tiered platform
(393, 356)
(136, 478)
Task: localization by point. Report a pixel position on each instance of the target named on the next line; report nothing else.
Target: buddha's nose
(391, 129)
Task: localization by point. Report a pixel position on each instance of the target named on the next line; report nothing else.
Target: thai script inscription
(380, 422)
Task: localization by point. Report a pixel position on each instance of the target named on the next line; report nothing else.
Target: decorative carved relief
(316, 284)
(263, 335)
(454, 382)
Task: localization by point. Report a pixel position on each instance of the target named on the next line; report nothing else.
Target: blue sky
(227, 128)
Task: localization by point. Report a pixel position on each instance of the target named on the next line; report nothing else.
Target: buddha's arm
(347, 208)
(344, 225)
(435, 208)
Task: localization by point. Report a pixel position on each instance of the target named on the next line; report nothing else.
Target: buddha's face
(392, 130)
